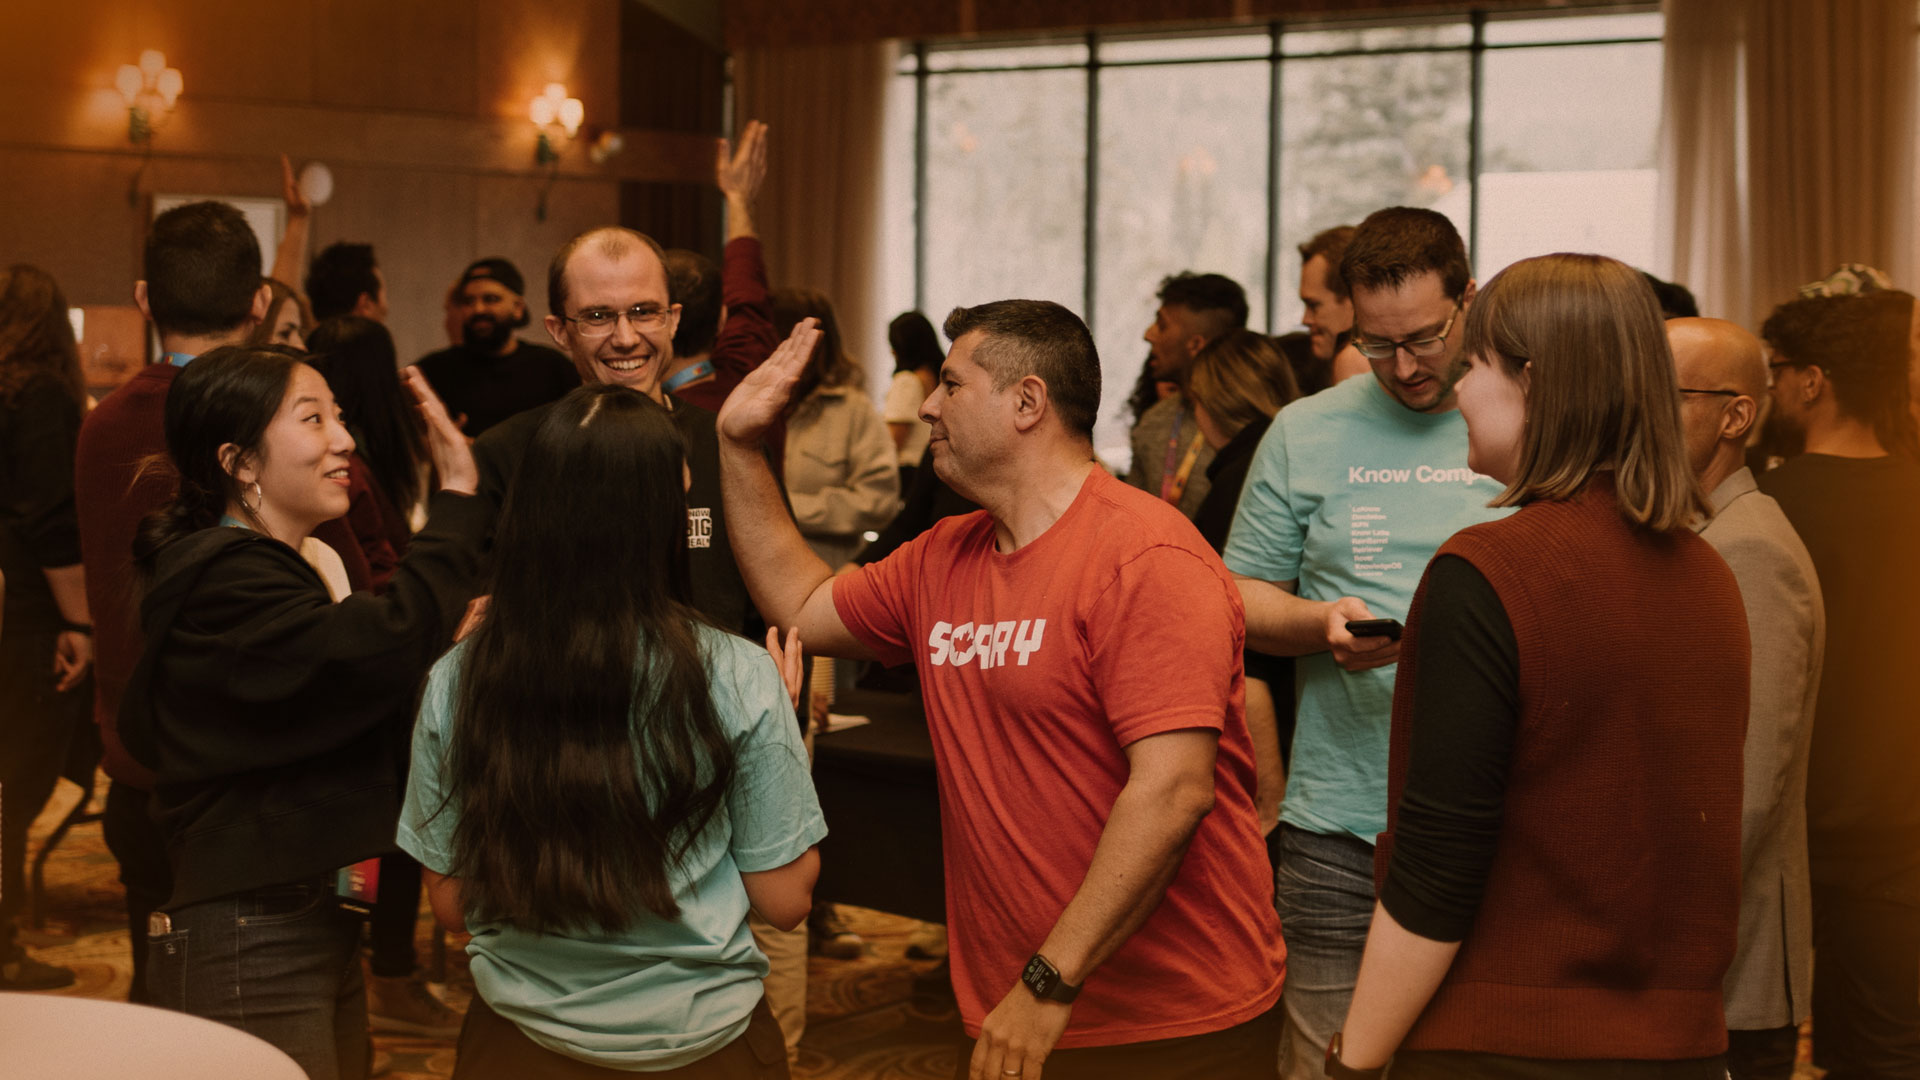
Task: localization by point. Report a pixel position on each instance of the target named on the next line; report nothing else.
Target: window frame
(914, 64)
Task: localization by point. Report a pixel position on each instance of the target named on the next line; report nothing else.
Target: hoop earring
(259, 499)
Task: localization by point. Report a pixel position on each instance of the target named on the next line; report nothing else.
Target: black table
(878, 792)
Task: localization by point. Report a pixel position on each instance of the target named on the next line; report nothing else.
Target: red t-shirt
(1038, 668)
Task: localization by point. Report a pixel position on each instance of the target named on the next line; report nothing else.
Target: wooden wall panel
(417, 106)
(414, 55)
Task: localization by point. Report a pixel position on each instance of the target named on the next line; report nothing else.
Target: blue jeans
(281, 963)
(1323, 889)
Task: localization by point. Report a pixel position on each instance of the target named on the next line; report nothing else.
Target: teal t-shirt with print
(1350, 494)
(661, 994)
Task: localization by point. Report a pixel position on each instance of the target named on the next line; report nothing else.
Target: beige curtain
(1703, 182)
(1789, 145)
(819, 215)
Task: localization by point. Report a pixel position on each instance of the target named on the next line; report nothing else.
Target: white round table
(48, 1037)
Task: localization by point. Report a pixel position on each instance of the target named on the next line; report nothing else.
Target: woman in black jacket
(47, 649)
(265, 697)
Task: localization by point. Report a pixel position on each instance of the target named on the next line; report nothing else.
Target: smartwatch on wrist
(1044, 980)
(1341, 1071)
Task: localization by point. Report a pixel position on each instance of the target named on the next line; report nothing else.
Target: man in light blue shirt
(1351, 492)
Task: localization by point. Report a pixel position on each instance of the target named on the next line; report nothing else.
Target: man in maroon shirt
(202, 289)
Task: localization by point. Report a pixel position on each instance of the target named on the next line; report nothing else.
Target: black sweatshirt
(266, 709)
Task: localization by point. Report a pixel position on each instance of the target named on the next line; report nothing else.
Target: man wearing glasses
(1723, 380)
(610, 313)
(1351, 492)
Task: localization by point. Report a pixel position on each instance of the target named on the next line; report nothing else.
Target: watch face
(1040, 977)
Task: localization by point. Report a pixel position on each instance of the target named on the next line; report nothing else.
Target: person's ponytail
(227, 396)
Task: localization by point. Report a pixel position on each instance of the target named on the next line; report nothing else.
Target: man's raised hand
(740, 171)
(758, 401)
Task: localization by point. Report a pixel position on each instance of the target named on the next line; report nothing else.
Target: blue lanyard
(686, 375)
(178, 359)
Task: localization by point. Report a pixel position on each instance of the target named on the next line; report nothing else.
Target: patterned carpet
(864, 1019)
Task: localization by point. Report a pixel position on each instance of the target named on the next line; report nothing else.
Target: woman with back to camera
(606, 858)
(1560, 875)
(358, 359)
(47, 648)
(265, 700)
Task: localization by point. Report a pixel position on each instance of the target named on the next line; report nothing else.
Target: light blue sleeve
(771, 805)
(426, 828)
(1268, 536)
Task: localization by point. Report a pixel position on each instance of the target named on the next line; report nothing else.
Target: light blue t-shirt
(661, 994)
(1350, 494)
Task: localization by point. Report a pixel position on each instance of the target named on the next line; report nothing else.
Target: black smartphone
(1386, 628)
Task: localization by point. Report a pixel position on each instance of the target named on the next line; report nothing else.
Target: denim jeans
(1323, 889)
(281, 963)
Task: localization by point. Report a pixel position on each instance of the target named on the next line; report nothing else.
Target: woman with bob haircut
(1559, 880)
(267, 699)
(605, 858)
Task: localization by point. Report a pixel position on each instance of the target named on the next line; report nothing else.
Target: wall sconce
(558, 118)
(150, 89)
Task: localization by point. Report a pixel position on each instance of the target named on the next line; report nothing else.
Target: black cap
(494, 269)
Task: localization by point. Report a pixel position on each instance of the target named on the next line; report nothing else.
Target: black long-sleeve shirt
(38, 528)
(1467, 707)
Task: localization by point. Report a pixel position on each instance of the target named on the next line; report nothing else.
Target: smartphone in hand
(1386, 628)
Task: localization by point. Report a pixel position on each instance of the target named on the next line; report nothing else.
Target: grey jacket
(1771, 980)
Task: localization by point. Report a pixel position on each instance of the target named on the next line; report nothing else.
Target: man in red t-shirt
(1078, 646)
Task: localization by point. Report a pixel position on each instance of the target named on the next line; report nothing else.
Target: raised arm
(790, 585)
(739, 174)
(290, 261)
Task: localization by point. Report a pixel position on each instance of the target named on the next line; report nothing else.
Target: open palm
(758, 401)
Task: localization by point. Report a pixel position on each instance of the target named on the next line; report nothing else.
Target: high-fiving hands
(758, 401)
(449, 447)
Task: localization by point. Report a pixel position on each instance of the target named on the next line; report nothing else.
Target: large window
(1084, 170)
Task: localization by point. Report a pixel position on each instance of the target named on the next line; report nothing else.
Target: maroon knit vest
(1613, 902)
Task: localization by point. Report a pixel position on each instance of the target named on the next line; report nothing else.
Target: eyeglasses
(1433, 346)
(599, 322)
(1715, 393)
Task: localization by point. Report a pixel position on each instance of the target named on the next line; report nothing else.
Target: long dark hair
(586, 755)
(36, 340)
(228, 395)
(830, 364)
(914, 343)
(357, 357)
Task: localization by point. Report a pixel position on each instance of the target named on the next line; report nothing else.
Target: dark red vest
(1613, 903)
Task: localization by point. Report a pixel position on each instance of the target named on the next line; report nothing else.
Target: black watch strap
(1340, 1070)
(1041, 977)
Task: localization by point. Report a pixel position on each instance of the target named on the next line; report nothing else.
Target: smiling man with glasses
(1351, 492)
(612, 316)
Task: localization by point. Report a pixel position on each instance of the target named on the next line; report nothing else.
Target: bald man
(1723, 378)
